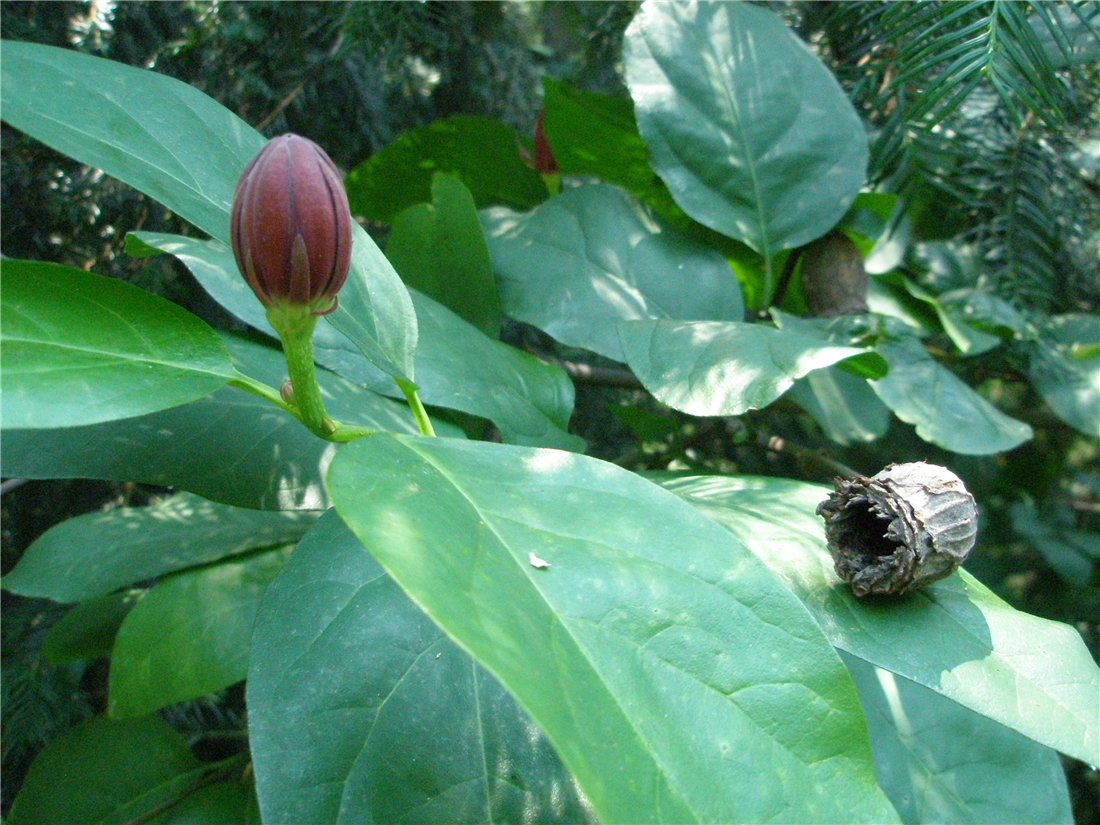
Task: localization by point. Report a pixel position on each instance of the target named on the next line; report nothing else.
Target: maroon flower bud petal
(291, 225)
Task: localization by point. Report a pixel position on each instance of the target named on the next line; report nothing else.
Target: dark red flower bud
(291, 226)
(545, 163)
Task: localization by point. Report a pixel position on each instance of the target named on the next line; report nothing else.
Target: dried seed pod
(833, 278)
(901, 529)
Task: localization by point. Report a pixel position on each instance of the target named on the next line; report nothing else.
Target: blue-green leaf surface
(726, 368)
(591, 257)
(843, 404)
(939, 762)
(405, 725)
(677, 680)
(954, 636)
(943, 408)
(751, 133)
(94, 554)
(1067, 380)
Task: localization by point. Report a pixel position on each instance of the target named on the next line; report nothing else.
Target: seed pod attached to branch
(833, 278)
(901, 529)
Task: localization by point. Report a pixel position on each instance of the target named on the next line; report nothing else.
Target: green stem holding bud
(423, 423)
(295, 327)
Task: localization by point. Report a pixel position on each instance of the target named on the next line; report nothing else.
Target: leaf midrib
(662, 771)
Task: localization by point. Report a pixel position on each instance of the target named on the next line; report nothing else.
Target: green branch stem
(262, 390)
(295, 327)
(423, 423)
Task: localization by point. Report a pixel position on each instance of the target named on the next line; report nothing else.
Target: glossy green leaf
(596, 135)
(985, 311)
(677, 680)
(376, 312)
(751, 133)
(970, 341)
(954, 636)
(94, 554)
(185, 150)
(843, 404)
(189, 635)
(1070, 385)
(231, 447)
(726, 368)
(406, 727)
(106, 771)
(529, 401)
(939, 762)
(482, 152)
(456, 365)
(439, 249)
(591, 257)
(79, 349)
(88, 630)
(945, 410)
(223, 803)
(158, 134)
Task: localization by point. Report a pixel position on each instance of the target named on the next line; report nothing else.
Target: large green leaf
(456, 365)
(943, 408)
(591, 257)
(88, 630)
(749, 130)
(483, 153)
(94, 554)
(107, 771)
(407, 726)
(596, 135)
(727, 368)
(184, 149)
(1068, 382)
(954, 636)
(439, 249)
(79, 349)
(939, 762)
(222, 803)
(231, 447)
(843, 404)
(189, 635)
(678, 681)
(158, 134)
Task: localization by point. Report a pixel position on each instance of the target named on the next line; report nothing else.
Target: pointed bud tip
(290, 226)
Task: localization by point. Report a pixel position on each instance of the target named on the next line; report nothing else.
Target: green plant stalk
(262, 390)
(295, 327)
(423, 423)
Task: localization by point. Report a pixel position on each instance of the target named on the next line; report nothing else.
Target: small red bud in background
(545, 163)
(291, 226)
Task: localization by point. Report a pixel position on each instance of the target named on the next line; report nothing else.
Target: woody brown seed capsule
(901, 529)
(291, 226)
(833, 278)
